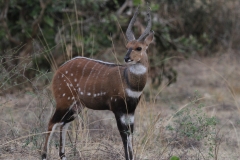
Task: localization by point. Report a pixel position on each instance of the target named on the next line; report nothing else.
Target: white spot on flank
(111, 98)
(62, 75)
(79, 89)
(127, 119)
(71, 85)
(94, 95)
(89, 94)
(59, 88)
(72, 97)
(138, 69)
(68, 98)
(133, 94)
(63, 94)
(77, 85)
(81, 93)
(115, 99)
(66, 72)
(75, 80)
(71, 74)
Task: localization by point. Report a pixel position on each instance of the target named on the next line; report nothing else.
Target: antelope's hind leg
(63, 132)
(60, 118)
(54, 122)
(67, 118)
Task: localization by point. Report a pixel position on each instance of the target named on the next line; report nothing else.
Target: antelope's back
(88, 81)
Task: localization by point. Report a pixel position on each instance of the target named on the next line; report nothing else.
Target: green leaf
(137, 2)
(174, 158)
(48, 20)
(154, 7)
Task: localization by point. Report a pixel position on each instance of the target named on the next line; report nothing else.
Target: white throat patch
(138, 69)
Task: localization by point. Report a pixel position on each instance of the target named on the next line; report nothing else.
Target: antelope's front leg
(125, 123)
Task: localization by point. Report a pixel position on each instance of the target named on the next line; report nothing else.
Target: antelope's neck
(136, 76)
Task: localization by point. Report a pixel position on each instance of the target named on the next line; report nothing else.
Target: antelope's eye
(138, 48)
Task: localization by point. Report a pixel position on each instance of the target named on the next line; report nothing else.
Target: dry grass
(94, 135)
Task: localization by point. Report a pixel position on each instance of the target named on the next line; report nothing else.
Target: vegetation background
(190, 108)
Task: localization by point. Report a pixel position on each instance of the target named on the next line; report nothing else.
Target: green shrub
(191, 127)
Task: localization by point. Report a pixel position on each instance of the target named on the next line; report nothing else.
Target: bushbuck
(83, 82)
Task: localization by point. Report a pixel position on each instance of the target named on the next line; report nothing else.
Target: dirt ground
(24, 117)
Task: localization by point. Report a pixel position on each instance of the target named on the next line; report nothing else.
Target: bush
(191, 127)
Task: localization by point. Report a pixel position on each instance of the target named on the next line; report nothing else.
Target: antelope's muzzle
(127, 56)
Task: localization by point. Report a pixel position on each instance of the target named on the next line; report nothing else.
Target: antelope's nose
(127, 57)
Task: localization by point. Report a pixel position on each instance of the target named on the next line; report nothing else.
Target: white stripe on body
(96, 79)
(103, 89)
(83, 73)
(89, 76)
(77, 72)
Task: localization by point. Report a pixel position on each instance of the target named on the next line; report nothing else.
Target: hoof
(44, 156)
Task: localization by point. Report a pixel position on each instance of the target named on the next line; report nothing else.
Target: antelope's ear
(149, 38)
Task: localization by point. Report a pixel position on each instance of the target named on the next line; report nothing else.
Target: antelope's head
(136, 49)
